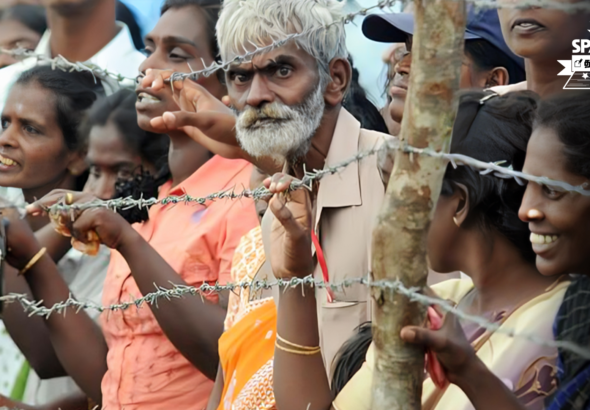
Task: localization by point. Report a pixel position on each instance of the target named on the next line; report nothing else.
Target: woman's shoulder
(453, 289)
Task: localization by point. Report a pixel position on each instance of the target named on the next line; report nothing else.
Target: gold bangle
(296, 346)
(299, 352)
(33, 261)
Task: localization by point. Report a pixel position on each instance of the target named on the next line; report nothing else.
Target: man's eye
(240, 78)
(283, 72)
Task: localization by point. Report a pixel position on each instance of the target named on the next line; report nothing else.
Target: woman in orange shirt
(166, 355)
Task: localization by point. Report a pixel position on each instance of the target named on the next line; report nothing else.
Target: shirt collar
(120, 46)
(342, 188)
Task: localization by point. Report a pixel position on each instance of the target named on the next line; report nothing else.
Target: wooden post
(399, 239)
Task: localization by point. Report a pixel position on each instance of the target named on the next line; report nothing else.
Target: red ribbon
(323, 265)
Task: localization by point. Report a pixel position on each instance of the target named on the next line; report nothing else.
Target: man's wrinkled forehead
(290, 52)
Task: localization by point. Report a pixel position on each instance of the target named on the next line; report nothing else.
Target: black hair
(357, 103)
(74, 93)
(494, 130)
(210, 10)
(491, 131)
(569, 115)
(124, 15)
(487, 56)
(29, 15)
(350, 357)
(119, 109)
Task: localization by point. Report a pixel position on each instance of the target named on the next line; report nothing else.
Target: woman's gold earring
(456, 222)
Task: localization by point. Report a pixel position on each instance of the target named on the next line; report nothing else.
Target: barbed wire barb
(61, 63)
(33, 308)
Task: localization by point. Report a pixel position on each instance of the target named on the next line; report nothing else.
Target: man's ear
(463, 207)
(341, 74)
(498, 76)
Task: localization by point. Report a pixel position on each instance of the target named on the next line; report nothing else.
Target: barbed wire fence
(62, 63)
(36, 308)
(498, 169)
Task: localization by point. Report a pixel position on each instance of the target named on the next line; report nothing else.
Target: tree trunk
(399, 240)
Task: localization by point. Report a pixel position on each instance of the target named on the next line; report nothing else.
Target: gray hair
(258, 22)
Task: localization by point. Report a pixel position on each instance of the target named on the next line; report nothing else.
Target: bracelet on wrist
(33, 261)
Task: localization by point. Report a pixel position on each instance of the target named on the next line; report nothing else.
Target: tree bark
(399, 239)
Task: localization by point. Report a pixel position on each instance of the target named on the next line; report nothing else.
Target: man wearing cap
(488, 62)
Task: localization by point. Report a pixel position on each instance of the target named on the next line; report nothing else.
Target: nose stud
(534, 214)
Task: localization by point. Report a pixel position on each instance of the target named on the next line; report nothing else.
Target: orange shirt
(145, 371)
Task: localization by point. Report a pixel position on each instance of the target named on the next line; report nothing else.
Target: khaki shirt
(346, 208)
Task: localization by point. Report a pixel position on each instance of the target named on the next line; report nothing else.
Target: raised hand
(104, 225)
(79, 223)
(291, 230)
(202, 117)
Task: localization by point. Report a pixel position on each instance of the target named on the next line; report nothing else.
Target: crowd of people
(509, 252)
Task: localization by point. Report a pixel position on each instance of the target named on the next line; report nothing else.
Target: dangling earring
(456, 222)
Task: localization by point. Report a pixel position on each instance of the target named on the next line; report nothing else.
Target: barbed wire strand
(382, 4)
(61, 63)
(497, 169)
(36, 308)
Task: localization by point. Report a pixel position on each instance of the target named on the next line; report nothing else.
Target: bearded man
(288, 115)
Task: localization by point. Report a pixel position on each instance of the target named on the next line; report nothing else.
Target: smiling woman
(559, 222)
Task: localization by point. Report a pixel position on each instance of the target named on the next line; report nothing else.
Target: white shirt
(118, 56)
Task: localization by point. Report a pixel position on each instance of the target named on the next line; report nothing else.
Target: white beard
(279, 131)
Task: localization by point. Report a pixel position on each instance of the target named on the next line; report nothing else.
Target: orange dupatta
(246, 352)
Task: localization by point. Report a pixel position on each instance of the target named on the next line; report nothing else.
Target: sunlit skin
(178, 42)
(110, 160)
(554, 211)
(14, 34)
(32, 138)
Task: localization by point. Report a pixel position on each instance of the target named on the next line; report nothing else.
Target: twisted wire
(36, 308)
(382, 4)
(497, 169)
(61, 63)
